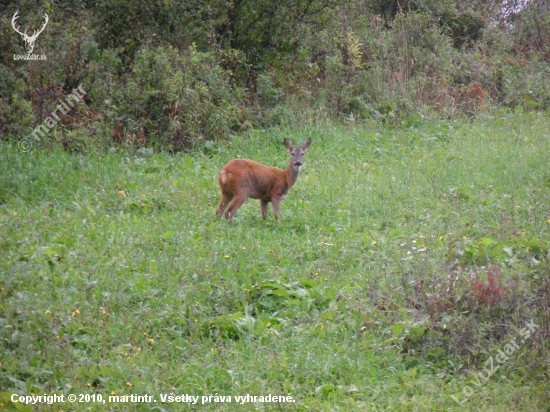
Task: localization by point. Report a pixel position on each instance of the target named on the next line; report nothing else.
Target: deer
(241, 179)
(29, 40)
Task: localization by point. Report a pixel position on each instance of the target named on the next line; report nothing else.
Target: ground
(117, 278)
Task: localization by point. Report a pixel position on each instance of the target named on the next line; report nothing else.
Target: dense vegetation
(170, 73)
(411, 266)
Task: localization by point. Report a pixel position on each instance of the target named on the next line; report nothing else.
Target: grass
(116, 278)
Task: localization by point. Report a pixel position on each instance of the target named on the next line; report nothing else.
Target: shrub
(170, 97)
(491, 292)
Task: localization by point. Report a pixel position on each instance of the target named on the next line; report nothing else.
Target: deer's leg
(237, 202)
(226, 198)
(276, 202)
(263, 205)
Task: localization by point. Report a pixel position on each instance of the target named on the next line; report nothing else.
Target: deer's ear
(306, 144)
(288, 144)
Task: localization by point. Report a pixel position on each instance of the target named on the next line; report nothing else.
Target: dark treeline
(172, 73)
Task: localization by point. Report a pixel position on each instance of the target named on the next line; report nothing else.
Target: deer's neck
(292, 174)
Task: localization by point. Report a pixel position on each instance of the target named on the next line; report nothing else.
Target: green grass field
(117, 279)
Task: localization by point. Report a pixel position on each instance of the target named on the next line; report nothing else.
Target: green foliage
(194, 71)
(170, 98)
(266, 30)
(16, 115)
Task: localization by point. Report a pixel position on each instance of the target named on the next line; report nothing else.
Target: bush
(255, 65)
(16, 114)
(170, 98)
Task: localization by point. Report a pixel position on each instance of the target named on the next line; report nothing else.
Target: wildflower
(151, 341)
(318, 270)
(48, 313)
(523, 233)
(226, 256)
(374, 242)
(88, 384)
(128, 384)
(121, 193)
(112, 392)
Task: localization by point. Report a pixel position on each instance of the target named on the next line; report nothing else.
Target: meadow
(406, 257)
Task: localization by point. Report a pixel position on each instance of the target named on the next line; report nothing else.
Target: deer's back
(259, 181)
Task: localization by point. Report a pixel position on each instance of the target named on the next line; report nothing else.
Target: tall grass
(117, 278)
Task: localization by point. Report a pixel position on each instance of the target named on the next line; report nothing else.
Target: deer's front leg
(276, 203)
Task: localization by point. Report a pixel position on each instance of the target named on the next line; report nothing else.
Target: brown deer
(241, 179)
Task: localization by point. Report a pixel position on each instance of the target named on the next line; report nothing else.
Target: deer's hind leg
(236, 203)
(226, 198)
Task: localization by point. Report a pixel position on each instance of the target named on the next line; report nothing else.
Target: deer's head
(297, 153)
